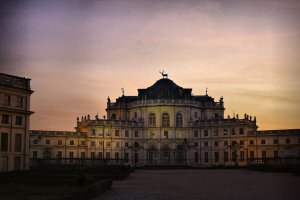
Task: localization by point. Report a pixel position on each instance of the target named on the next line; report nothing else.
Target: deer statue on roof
(163, 74)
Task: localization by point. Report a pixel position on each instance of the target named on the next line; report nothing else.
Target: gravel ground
(205, 184)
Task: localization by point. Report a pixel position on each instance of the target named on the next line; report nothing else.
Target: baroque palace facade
(15, 111)
(166, 124)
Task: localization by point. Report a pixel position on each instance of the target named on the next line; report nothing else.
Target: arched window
(165, 120)
(152, 119)
(136, 145)
(178, 120)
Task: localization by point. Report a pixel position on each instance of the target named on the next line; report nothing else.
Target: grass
(53, 184)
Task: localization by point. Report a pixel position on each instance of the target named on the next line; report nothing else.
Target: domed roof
(164, 89)
(164, 83)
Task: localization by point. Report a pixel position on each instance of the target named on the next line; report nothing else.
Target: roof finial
(206, 90)
(163, 74)
(122, 91)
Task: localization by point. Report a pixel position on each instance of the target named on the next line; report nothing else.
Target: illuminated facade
(14, 127)
(166, 124)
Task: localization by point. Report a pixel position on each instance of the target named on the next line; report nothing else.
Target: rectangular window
(251, 142)
(136, 134)
(225, 156)
(92, 155)
(100, 155)
(126, 144)
(196, 115)
(71, 155)
(135, 114)
(82, 143)
(93, 143)
(206, 144)
(205, 133)
(216, 156)
(93, 132)
(108, 144)
(117, 133)
(263, 141)
(225, 143)
(216, 133)
(241, 131)
(166, 134)
(287, 140)
(233, 155)
(107, 155)
(252, 155)
(35, 142)
(232, 131)
(82, 155)
(107, 132)
(59, 142)
(59, 154)
(6, 100)
(196, 157)
(206, 157)
(117, 155)
(241, 142)
(126, 157)
(195, 133)
(216, 143)
(263, 154)
(47, 141)
(17, 163)
(18, 142)
(225, 131)
(34, 154)
(275, 154)
(100, 132)
(242, 156)
(5, 119)
(136, 157)
(19, 120)
(71, 142)
(196, 144)
(100, 143)
(126, 133)
(19, 102)
(117, 144)
(275, 141)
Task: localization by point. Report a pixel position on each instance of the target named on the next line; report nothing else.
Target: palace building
(165, 124)
(14, 122)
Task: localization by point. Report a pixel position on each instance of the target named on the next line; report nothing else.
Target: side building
(166, 124)
(15, 112)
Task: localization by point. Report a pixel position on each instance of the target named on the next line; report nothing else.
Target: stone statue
(77, 119)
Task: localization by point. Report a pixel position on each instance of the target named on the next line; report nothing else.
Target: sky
(78, 53)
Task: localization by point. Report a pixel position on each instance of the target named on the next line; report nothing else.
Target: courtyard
(205, 184)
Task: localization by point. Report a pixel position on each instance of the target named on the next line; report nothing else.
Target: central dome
(164, 83)
(164, 89)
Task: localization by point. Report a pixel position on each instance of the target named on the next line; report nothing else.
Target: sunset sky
(78, 53)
